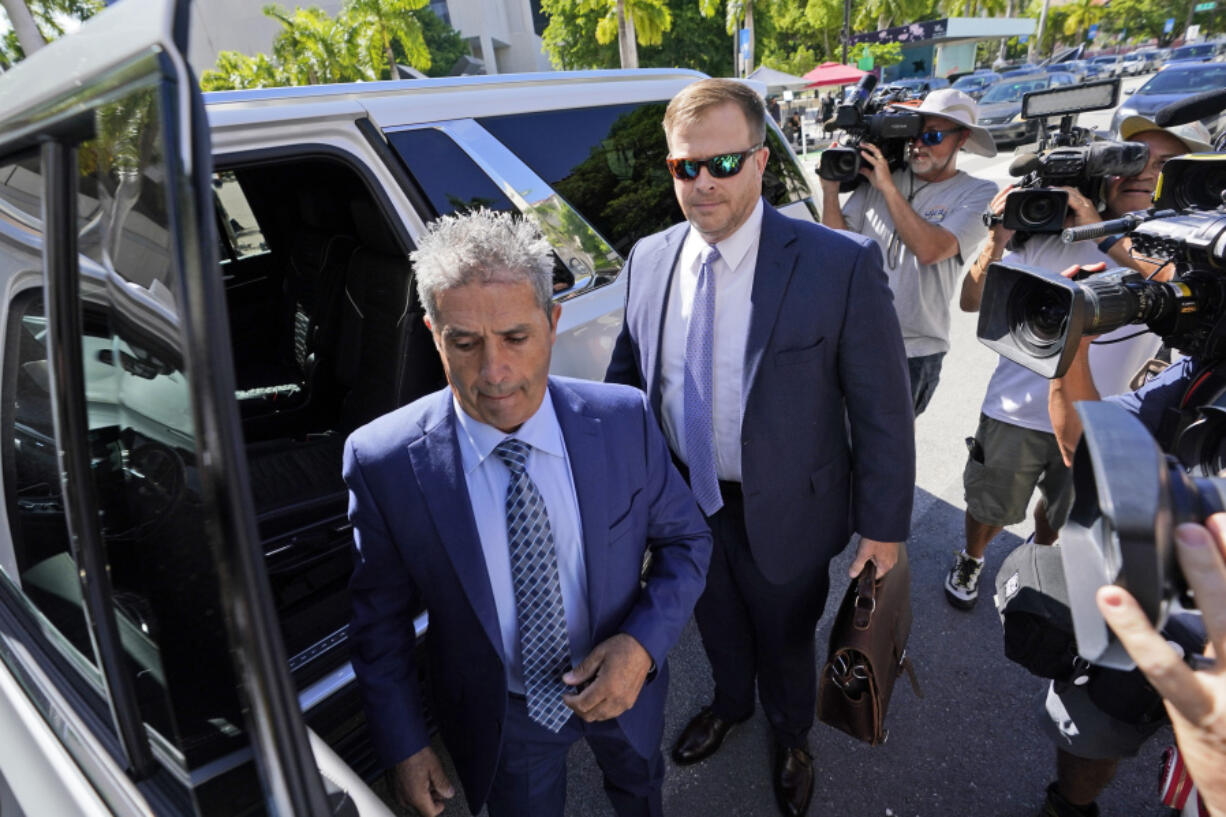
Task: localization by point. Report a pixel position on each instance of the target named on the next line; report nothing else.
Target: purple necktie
(698, 400)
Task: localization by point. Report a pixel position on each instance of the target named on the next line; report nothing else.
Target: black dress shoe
(701, 737)
(793, 780)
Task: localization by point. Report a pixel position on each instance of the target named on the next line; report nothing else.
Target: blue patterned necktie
(538, 592)
(698, 400)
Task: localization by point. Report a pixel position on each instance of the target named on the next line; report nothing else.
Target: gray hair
(481, 246)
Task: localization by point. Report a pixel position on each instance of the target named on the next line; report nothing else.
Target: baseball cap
(1194, 135)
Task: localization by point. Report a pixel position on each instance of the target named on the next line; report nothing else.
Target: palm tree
(1081, 15)
(631, 23)
(383, 22)
(735, 11)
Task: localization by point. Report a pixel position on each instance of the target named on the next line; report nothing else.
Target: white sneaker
(962, 581)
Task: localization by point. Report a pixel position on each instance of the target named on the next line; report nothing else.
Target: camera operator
(1195, 700)
(1015, 449)
(923, 217)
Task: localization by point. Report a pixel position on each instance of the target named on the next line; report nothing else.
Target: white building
(505, 35)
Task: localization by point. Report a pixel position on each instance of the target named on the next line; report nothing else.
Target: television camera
(1130, 494)
(866, 118)
(1067, 157)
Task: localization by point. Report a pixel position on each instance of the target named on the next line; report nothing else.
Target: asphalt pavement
(971, 746)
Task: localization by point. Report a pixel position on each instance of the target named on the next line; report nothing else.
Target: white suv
(201, 297)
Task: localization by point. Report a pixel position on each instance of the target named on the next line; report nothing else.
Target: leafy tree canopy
(363, 42)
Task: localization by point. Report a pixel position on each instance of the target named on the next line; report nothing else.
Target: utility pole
(846, 35)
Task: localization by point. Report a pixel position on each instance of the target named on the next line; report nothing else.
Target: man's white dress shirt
(487, 478)
(734, 271)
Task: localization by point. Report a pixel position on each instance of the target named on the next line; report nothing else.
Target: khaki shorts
(1005, 464)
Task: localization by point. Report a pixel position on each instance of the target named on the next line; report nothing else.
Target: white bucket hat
(961, 109)
(1194, 135)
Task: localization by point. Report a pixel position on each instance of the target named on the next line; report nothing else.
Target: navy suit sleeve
(680, 545)
(873, 370)
(624, 365)
(381, 636)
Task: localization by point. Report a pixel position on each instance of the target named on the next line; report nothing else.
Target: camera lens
(1037, 210)
(845, 164)
(1038, 318)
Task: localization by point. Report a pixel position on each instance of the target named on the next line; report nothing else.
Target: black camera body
(865, 118)
(1069, 157)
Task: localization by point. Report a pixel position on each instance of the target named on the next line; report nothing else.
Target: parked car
(1152, 59)
(1021, 70)
(1173, 82)
(975, 84)
(1000, 108)
(1078, 68)
(1133, 64)
(1110, 64)
(915, 87)
(202, 295)
(1196, 52)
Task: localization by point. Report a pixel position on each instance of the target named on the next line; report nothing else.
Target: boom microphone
(1191, 109)
(1023, 163)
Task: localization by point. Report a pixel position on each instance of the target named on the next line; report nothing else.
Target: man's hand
(875, 168)
(1083, 210)
(618, 665)
(1195, 700)
(999, 236)
(885, 554)
(420, 782)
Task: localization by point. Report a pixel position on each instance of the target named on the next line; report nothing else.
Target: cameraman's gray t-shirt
(922, 292)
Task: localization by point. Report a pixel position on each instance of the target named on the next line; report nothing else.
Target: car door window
(449, 178)
(610, 167)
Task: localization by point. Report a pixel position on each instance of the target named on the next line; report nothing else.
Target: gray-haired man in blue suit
(517, 509)
(760, 341)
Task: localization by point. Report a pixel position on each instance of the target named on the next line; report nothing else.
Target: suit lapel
(775, 265)
(440, 476)
(664, 259)
(588, 467)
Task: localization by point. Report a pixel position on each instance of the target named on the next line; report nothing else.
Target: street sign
(865, 63)
(1023, 38)
(1206, 6)
(1092, 32)
(1169, 26)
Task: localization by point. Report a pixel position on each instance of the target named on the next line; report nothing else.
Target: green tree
(693, 41)
(37, 22)
(363, 42)
(381, 23)
(443, 42)
(737, 14)
(1080, 15)
(630, 23)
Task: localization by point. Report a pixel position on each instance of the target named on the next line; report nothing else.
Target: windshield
(1105, 60)
(1186, 51)
(1173, 81)
(1012, 90)
(909, 83)
(971, 82)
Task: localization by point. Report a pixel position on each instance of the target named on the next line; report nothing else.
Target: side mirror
(1130, 91)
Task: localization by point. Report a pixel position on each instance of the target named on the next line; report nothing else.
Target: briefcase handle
(866, 596)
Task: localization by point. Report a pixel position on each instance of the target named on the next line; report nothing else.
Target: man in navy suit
(762, 342)
(517, 509)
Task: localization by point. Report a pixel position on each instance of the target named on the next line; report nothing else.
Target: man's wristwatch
(1107, 243)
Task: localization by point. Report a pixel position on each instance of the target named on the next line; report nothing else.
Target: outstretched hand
(616, 669)
(1195, 700)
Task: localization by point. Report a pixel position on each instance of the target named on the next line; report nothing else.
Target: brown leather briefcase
(868, 651)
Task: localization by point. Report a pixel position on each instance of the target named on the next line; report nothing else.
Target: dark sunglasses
(720, 167)
(936, 137)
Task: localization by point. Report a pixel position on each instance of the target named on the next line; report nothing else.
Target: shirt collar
(733, 248)
(478, 440)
